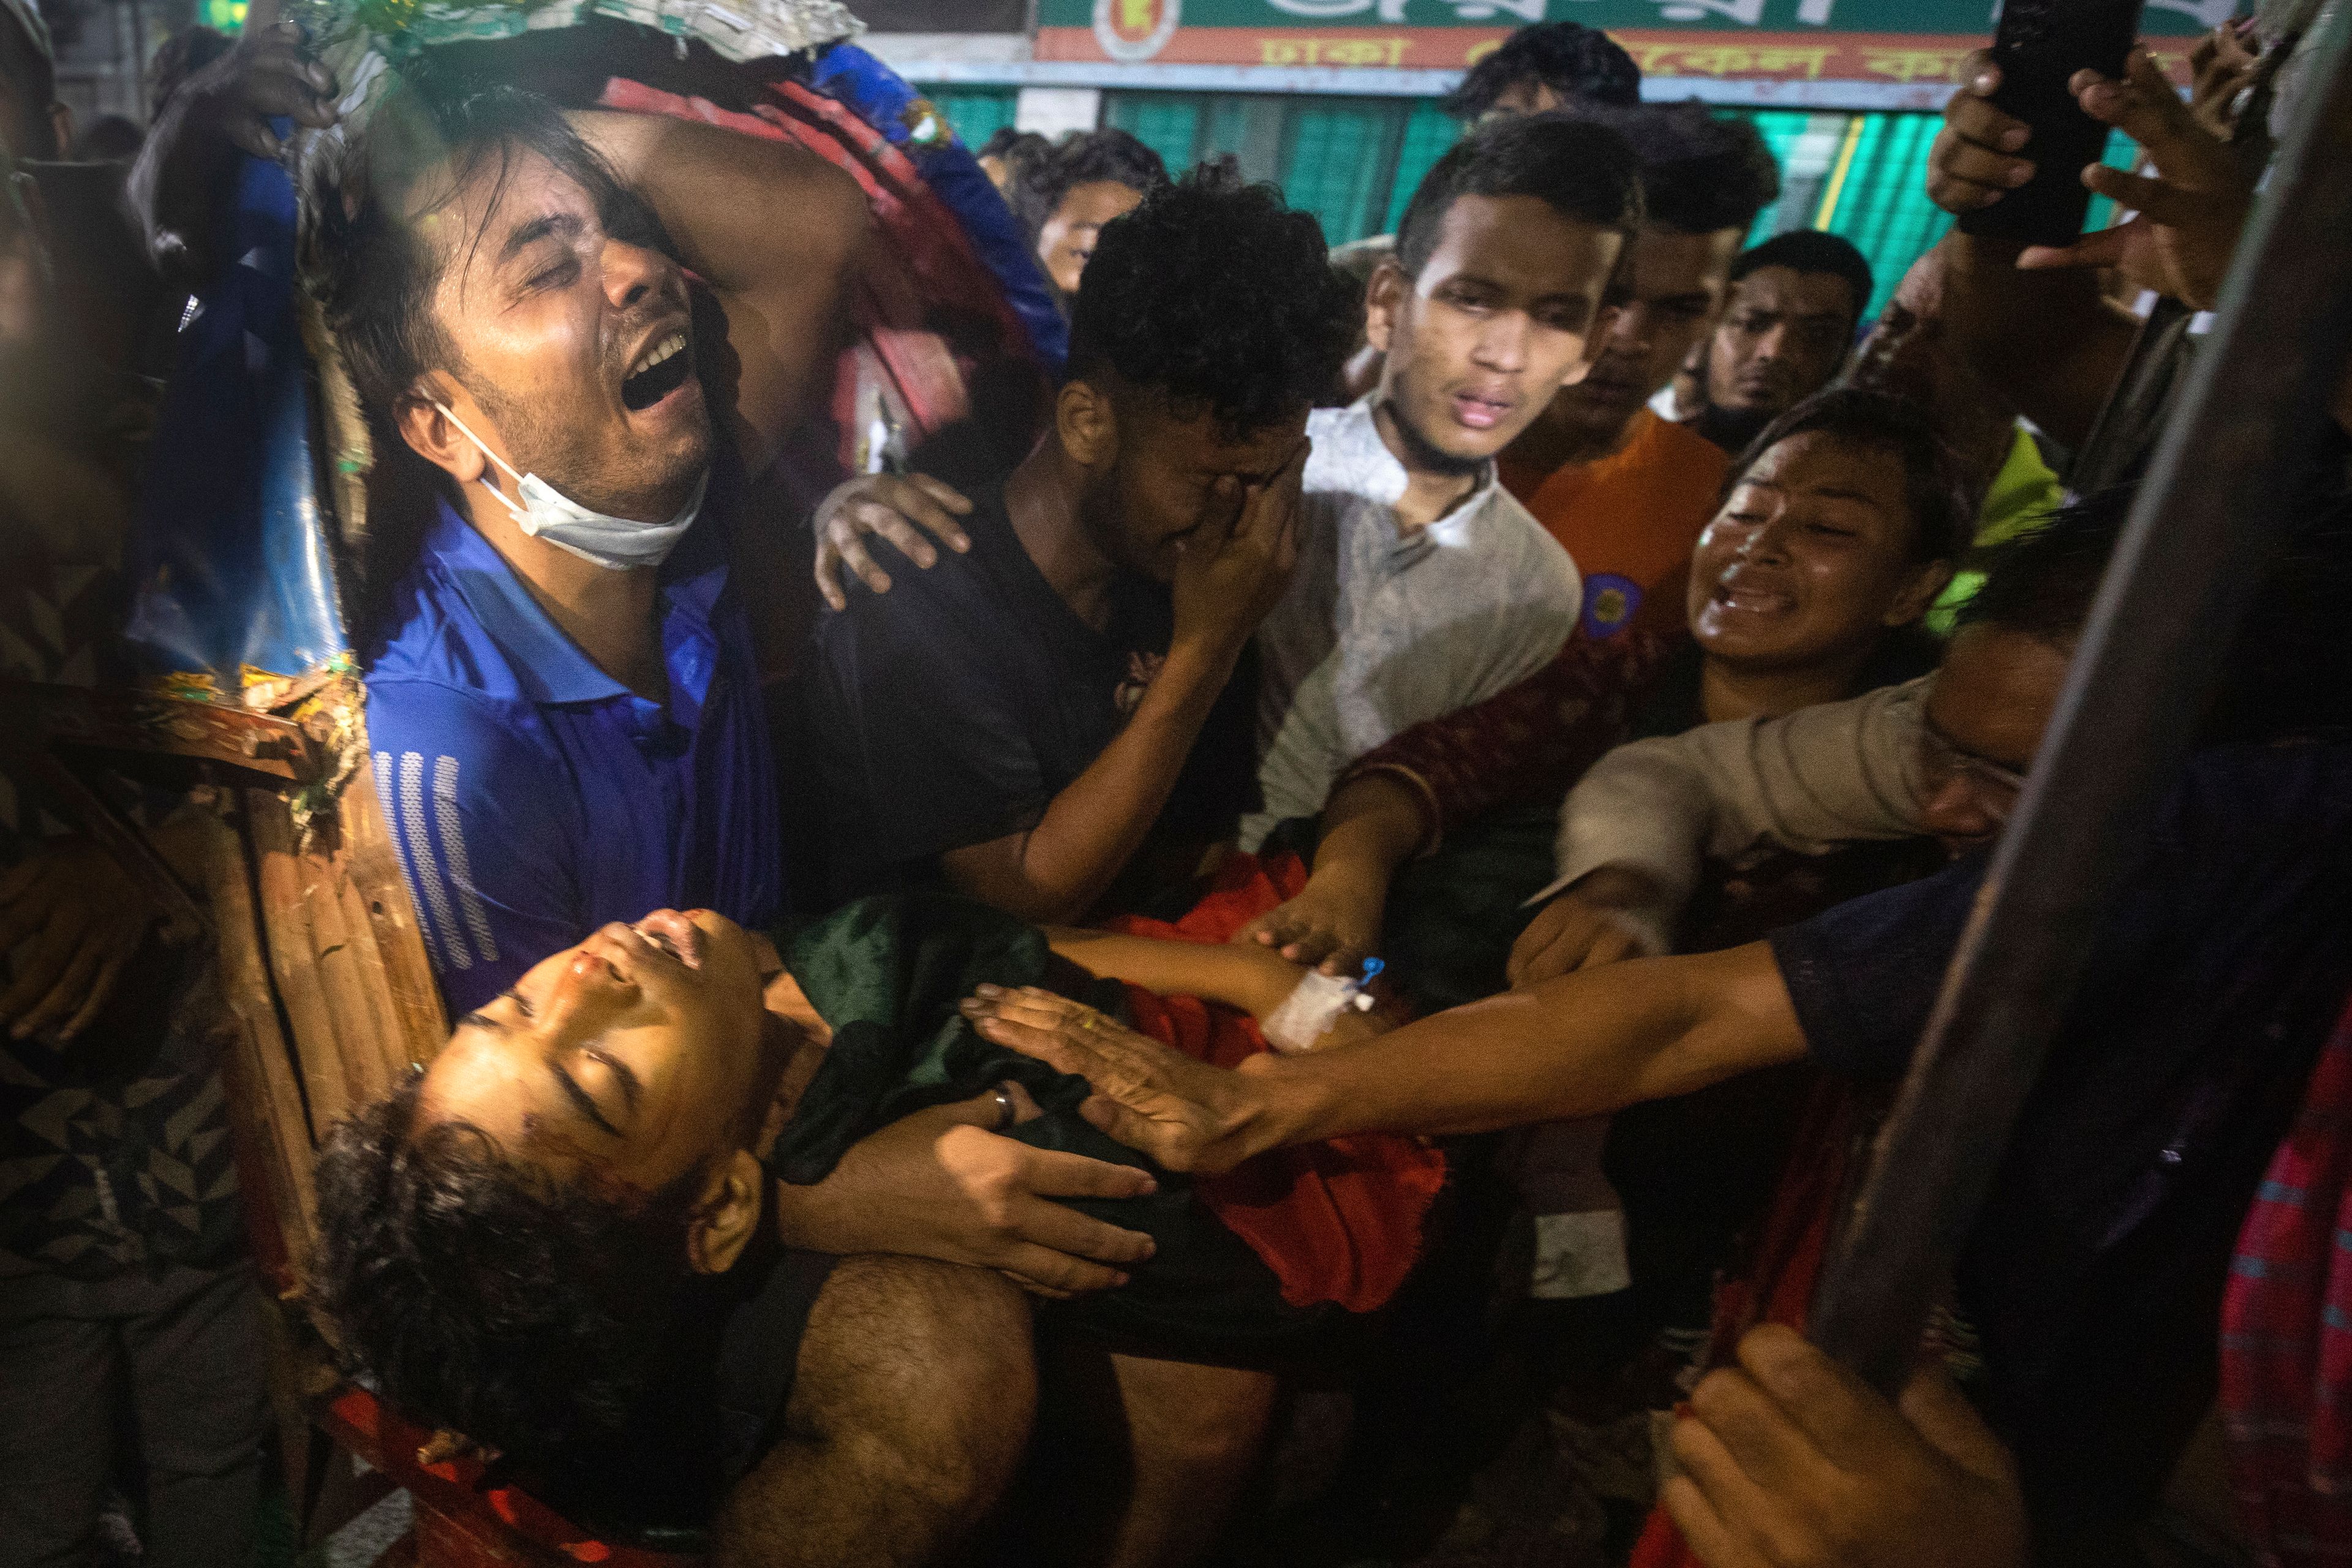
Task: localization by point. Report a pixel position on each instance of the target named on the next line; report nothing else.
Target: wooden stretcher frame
(326, 999)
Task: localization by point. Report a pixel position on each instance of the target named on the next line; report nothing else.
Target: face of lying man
(1810, 558)
(642, 1056)
(573, 345)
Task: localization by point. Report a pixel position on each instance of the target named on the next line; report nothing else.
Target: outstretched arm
(1635, 833)
(1250, 978)
(782, 284)
(1529, 742)
(1371, 826)
(1582, 1043)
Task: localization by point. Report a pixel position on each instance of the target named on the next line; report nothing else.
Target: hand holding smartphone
(2038, 47)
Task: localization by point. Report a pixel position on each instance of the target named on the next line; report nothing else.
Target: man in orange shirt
(1624, 491)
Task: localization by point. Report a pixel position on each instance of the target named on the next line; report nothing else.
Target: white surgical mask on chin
(546, 512)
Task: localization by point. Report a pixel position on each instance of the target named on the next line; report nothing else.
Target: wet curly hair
(532, 1316)
(1216, 295)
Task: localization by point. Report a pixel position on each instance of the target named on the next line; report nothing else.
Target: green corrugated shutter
(1336, 162)
(1167, 122)
(1429, 131)
(1354, 163)
(976, 112)
(1864, 176)
(1781, 129)
(1877, 197)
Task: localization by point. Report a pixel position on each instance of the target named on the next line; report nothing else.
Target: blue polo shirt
(531, 797)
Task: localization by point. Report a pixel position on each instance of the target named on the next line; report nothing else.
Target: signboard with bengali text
(1897, 42)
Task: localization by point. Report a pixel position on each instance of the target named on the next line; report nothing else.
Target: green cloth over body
(888, 975)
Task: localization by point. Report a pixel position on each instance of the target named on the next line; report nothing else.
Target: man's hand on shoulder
(941, 1184)
(901, 509)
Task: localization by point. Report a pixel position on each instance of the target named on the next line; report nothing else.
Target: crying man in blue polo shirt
(562, 701)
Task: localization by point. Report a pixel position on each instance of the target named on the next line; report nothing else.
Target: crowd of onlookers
(1477, 746)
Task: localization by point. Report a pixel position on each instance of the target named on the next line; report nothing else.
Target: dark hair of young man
(2042, 582)
(1090, 156)
(1701, 171)
(1812, 250)
(1582, 64)
(1942, 522)
(1581, 169)
(1007, 142)
(376, 273)
(1220, 298)
(534, 1317)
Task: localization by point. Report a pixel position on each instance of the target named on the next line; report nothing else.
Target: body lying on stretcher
(560, 1238)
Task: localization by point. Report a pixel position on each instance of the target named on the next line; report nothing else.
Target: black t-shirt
(2096, 1267)
(951, 710)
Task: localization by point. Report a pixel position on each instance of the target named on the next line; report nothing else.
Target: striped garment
(532, 797)
(2286, 1333)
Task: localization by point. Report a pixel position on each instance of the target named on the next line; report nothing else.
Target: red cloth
(461, 1521)
(1243, 887)
(2286, 1333)
(1339, 1221)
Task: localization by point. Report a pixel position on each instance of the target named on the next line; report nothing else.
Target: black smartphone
(2037, 46)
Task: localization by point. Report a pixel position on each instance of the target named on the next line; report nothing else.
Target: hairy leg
(909, 1412)
(1149, 1456)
